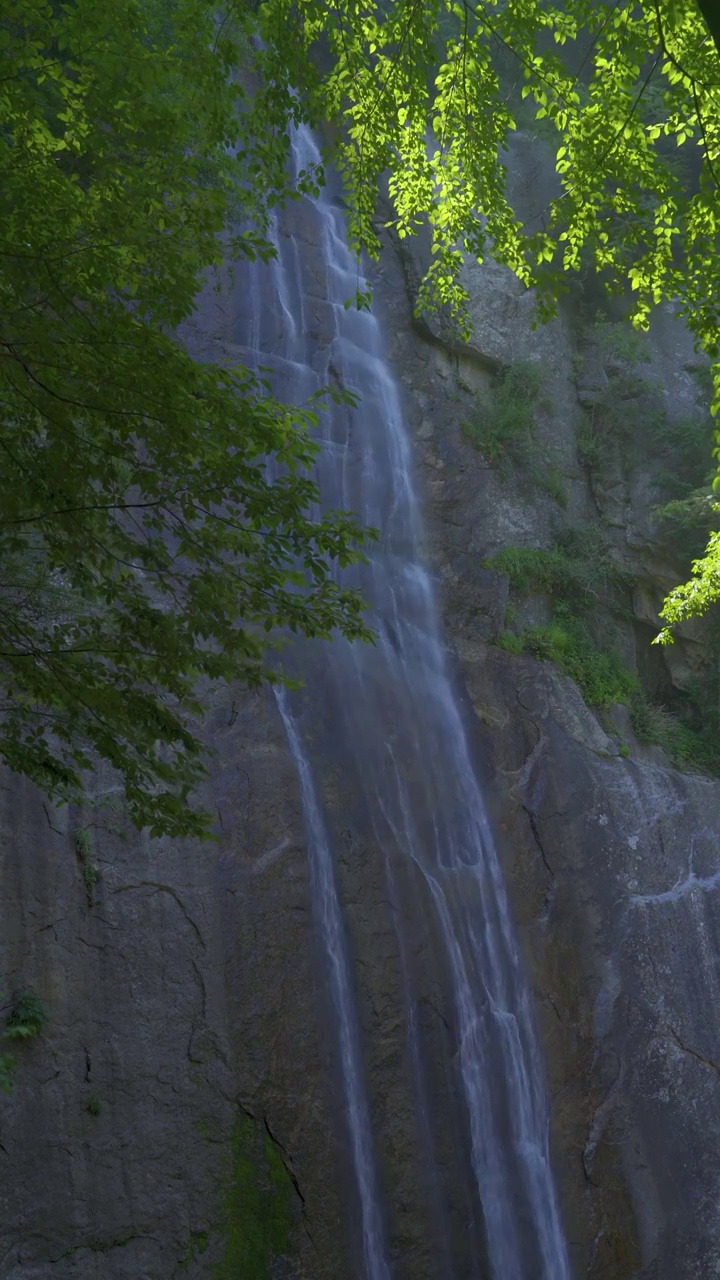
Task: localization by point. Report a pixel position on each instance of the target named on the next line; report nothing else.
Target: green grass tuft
(502, 424)
(511, 642)
(687, 748)
(578, 568)
(600, 673)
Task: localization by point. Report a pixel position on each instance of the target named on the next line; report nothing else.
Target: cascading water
(395, 711)
(333, 942)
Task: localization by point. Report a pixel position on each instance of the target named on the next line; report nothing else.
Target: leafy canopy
(156, 522)
(145, 545)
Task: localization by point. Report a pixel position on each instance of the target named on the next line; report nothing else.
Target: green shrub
(577, 366)
(631, 413)
(26, 1020)
(589, 556)
(618, 340)
(690, 513)
(686, 523)
(502, 425)
(693, 438)
(701, 371)
(27, 1017)
(548, 644)
(589, 444)
(573, 574)
(630, 410)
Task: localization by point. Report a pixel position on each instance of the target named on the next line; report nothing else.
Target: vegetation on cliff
(24, 1021)
(588, 594)
(157, 524)
(259, 1205)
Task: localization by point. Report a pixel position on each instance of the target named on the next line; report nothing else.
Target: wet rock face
(615, 872)
(181, 1001)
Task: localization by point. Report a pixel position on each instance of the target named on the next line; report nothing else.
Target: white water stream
(398, 717)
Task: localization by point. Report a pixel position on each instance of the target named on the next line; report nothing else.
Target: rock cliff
(177, 1116)
(611, 852)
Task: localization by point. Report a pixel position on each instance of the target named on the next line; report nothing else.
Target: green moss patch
(258, 1204)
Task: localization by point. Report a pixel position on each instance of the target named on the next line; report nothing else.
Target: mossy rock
(259, 1204)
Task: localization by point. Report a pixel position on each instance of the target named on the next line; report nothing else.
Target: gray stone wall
(182, 999)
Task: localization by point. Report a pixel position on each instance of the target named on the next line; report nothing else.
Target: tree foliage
(405, 73)
(156, 521)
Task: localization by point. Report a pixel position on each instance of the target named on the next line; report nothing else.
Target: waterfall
(333, 943)
(395, 711)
